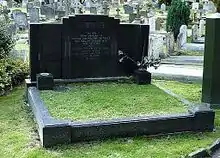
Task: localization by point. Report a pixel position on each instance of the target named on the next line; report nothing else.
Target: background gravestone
(93, 10)
(211, 75)
(29, 6)
(48, 11)
(34, 14)
(14, 12)
(128, 9)
(20, 19)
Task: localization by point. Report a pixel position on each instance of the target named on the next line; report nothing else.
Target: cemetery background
(23, 45)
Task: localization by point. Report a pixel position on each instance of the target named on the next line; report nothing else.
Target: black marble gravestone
(86, 46)
(211, 75)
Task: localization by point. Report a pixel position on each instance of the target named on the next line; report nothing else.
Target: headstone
(182, 36)
(106, 8)
(209, 7)
(14, 12)
(93, 10)
(156, 45)
(10, 3)
(60, 13)
(132, 16)
(128, 9)
(158, 24)
(49, 12)
(143, 13)
(29, 6)
(4, 3)
(51, 1)
(152, 23)
(195, 6)
(170, 43)
(24, 3)
(12, 29)
(21, 20)
(67, 7)
(195, 32)
(211, 75)
(201, 27)
(86, 46)
(163, 7)
(37, 3)
(34, 14)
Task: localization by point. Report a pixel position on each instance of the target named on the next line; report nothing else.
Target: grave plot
(87, 48)
(104, 101)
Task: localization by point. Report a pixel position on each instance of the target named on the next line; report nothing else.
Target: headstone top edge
(214, 16)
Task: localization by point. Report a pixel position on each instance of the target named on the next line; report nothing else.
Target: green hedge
(12, 72)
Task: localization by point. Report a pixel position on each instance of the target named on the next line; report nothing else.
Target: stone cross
(118, 13)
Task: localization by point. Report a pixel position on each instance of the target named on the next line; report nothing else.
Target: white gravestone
(152, 23)
(163, 7)
(201, 27)
(182, 36)
(195, 6)
(157, 45)
(195, 32)
(170, 42)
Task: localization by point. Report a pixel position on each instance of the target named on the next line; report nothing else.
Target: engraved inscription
(90, 45)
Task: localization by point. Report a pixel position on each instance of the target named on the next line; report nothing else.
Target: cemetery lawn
(19, 138)
(101, 101)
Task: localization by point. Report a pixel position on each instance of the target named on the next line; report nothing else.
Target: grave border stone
(53, 131)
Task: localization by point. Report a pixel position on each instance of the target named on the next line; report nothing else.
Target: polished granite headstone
(86, 46)
(211, 75)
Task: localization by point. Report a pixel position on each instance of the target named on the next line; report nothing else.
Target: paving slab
(178, 72)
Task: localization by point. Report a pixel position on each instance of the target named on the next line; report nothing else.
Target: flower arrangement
(142, 65)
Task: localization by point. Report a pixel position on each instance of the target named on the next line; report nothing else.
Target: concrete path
(178, 72)
(184, 60)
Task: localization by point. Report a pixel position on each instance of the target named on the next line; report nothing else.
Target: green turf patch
(189, 91)
(110, 100)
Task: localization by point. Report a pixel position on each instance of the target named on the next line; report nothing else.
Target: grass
(18, 137)
(191, 92)
(110, 100)
(183, 89)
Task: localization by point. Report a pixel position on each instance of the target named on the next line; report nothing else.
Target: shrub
(5, 79)
(12, 72)
(6, 43)
(167, 2)
(178, 14)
